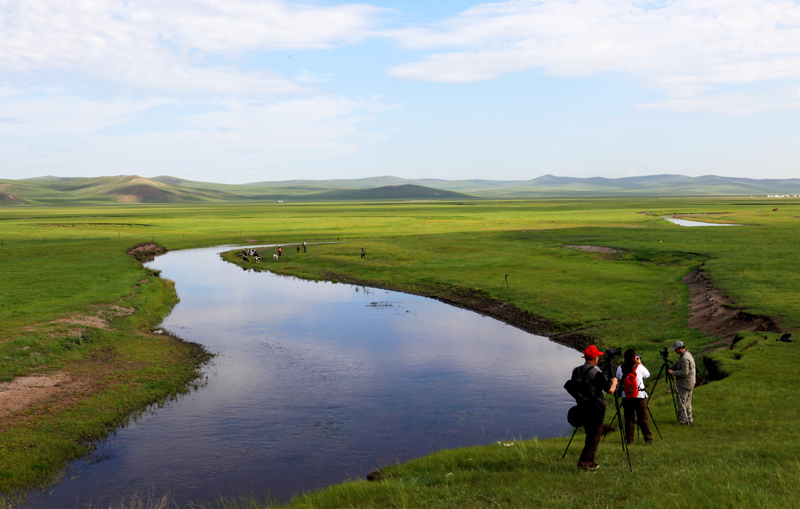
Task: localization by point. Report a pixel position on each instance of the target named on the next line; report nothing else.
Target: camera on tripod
(664, 353)
(612, 352)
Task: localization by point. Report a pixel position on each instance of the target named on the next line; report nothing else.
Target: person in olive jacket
(684, 371)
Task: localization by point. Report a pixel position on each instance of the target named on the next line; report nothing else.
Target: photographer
(684, 372)
(634, 399)
(595, 413)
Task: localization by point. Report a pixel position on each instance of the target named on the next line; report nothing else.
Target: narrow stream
(315, 383)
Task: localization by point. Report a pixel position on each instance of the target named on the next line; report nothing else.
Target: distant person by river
(363, 253)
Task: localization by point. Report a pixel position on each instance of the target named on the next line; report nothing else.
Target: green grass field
(62, 261)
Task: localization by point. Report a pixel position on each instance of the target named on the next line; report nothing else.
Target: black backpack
(586, 399)
(576, 416)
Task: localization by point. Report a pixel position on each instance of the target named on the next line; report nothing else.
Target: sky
(239, 91)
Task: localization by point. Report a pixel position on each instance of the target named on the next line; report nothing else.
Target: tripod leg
(568, 444)
(622, 433)
(674, 387)
(655, 384)
(605, 432)
(653, 420)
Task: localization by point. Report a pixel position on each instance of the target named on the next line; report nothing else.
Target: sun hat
(676, 345)
(591, 352)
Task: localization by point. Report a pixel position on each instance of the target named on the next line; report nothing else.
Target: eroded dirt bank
(715, 314)
(146, 251)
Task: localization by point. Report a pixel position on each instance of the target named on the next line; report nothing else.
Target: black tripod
(670, 380)
(610, 373)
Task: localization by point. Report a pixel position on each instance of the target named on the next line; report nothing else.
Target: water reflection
(318, 382)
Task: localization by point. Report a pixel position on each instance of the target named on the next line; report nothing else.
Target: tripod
(623, 438)
(670, 380)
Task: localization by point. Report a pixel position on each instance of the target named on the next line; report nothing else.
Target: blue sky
(243, 91)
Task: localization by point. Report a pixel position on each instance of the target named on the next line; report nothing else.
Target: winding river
(315, 383)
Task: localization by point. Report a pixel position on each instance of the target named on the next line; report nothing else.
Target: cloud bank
(685, 48)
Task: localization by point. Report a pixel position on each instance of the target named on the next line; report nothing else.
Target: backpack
(576, 416)
(630, 384)
(584, 395)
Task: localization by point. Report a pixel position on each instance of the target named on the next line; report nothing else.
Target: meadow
(60, 262)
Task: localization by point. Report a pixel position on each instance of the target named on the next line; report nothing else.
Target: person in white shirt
(631, 374)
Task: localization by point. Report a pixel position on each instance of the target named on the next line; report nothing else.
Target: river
(314, 383)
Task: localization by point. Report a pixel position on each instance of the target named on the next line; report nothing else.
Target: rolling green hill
(395, 192)
(51, 190)
(103, 190)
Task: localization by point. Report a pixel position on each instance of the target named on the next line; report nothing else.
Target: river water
(315, 383)
(692, 222)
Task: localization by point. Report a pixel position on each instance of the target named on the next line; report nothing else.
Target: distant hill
(398, 192)
(463, 186)
(98, 190)
(165, 189)
(554, 186)
(652, 185)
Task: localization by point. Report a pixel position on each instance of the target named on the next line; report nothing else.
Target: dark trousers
(636, 411)
(594, 433)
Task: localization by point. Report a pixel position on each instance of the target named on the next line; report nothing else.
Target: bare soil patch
(100, 320)
(595, 249)
(57, 389)
(26, 391)
(146, 251)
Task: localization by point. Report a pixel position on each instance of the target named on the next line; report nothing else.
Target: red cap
(591, 352)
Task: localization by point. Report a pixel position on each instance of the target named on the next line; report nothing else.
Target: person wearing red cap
(593, 424)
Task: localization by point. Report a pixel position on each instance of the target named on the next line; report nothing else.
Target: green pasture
(61, 261)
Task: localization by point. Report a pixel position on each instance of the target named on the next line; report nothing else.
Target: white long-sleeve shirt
(641, 374)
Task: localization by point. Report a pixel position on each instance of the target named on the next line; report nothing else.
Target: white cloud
(685, 47)
(169, 47)
(226, 26)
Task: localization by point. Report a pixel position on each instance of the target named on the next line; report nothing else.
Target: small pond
(315, 383)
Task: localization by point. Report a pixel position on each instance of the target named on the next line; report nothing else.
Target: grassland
(64, 261)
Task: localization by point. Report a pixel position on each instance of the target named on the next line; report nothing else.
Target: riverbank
(741, 451)
(71, 380)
